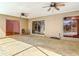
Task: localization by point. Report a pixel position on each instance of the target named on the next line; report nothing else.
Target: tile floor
(13, 47)
(37, 46)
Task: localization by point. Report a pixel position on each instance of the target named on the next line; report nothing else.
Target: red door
(12, 27)
(9, 27)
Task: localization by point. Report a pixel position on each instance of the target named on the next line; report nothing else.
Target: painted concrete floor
(37, 46)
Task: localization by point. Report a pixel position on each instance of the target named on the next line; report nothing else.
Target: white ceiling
(34, 8)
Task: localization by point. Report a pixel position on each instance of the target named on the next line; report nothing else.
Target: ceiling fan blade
(49, 9)
(57, 8)
(52, 3)
(59, 4)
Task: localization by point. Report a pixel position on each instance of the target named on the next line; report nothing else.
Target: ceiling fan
(24, 14)
(54, 5)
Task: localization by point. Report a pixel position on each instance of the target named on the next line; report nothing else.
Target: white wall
(2, 26)
(54, 23)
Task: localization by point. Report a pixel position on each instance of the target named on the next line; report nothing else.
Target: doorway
(12, 27)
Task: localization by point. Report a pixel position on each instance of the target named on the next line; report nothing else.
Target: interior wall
(54, 23)
(2, 26)
(24, 25)
(3, 19)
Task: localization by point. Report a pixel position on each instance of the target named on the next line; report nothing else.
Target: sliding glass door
(38, 27)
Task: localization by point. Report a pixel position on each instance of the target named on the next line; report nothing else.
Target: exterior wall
(54, 23)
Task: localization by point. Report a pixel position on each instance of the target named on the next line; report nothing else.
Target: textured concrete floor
(13, 47)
